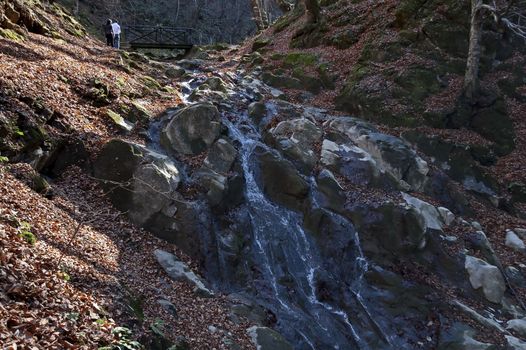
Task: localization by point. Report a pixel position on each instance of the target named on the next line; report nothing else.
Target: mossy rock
(310, 83)
(119, 121)
(299, 59)
(345, 39)
(417, 84)
(260, 43)
(495, 124)
(281, 81)
(11, 35)
(151, 83)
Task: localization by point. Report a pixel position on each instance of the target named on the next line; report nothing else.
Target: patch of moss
(11, 35)
(151, 83)
(300, 59)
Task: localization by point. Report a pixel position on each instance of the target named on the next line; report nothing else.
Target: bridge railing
(162, 36)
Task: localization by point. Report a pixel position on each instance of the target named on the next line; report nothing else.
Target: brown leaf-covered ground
(73, 286)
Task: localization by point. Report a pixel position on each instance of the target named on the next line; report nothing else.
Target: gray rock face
(432, 217)
(518, 325)
(257, 111)
(216, 176)
(514, 242)
(179, 271)
(390, 154)
(485, 276)
(267, 339)
(461, 337)
(143, 184)
(192, 130)
(295, 140)
(279, 179)
(515, 343)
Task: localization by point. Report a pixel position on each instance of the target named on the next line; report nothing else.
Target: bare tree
(510, 15)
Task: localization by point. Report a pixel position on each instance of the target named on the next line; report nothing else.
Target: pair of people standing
(113, 34)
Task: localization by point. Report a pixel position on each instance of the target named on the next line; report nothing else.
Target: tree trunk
(257, 13)
(471, 79)
(313, 10)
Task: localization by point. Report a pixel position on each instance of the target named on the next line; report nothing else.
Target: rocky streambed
(304, 219)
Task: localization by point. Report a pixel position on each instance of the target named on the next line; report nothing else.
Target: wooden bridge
(157, 37)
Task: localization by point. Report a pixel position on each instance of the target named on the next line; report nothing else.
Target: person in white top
(116, 35)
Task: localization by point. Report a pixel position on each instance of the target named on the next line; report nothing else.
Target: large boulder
(192, 130)
(279, 179)
(391, 154)
(222, 181)
(295, 139)
(144, 184)
(388, 230)
(486, 276)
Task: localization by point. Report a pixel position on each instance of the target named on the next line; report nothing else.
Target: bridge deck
(160, 46)
(156, 37)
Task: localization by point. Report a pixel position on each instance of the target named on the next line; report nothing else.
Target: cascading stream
(271, 223)
(288, 260)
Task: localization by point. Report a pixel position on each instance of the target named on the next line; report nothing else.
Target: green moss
(300, 59)
(151, 83)
(119, 120)
(11, 35)
(28, 236)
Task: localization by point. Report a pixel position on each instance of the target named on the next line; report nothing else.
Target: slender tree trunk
(313, 9)
(471, 79)
(257, 14)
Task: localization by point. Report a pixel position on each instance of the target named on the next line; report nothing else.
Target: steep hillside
(327, 178)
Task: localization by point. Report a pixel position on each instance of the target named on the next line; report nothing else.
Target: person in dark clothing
(108, 31)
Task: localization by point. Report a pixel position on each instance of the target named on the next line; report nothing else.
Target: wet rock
(518, 325)
(175, 72)
(513, 241)
(461, 337)
(279, 179)
(332, 194)
(257, 111)
(268, 339)
(388, 230)
(216, 175)
(179, 271)
(485, 276)
(221, 156)
(515, 343)
(215, 84)
(295, 140)
(243, 308)
(192, 130)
